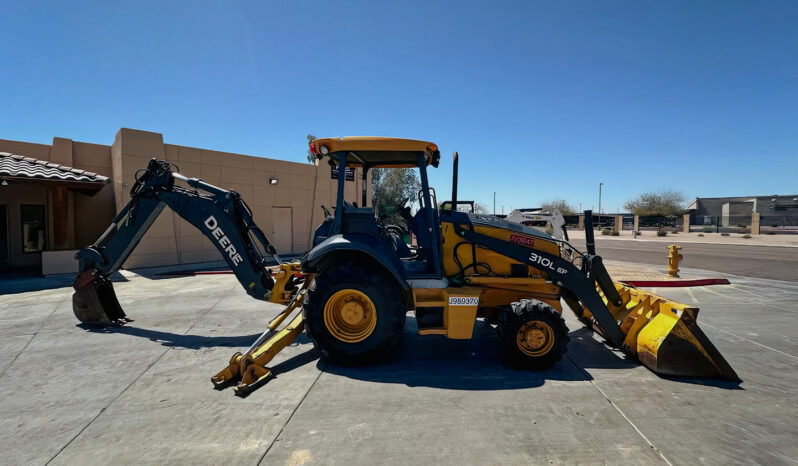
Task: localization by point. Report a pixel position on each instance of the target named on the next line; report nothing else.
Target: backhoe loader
(351, 292)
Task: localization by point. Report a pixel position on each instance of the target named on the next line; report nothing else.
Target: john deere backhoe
(352, 290)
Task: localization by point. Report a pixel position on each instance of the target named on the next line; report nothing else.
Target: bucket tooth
(94, 301)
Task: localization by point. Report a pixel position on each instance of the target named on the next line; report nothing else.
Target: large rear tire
(354, 313)
(533, 334)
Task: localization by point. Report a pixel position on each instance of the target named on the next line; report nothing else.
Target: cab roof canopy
(377, 152)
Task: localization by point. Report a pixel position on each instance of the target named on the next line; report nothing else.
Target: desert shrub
(747, 236)
(701, 235)
(615, 233)
(662, 233)
(605, 231)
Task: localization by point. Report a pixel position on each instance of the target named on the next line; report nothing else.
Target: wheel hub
(350, 315)
(535, 338)
(353, 313)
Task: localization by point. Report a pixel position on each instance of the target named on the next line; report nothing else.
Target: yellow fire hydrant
(673, 260)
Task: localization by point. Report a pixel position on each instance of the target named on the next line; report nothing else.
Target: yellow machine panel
(499, 264)
(459, 309)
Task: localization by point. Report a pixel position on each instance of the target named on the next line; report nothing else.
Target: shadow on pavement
(176, 339)
(434, 361)
(20, 283)
(586, 352)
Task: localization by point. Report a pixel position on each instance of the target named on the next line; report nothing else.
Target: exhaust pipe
(94, 300)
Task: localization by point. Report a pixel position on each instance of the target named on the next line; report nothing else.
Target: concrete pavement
(142, 394)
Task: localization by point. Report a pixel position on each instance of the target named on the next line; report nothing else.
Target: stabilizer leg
(248, 370)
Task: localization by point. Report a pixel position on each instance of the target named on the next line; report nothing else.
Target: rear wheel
(354, 313)
(533, 334)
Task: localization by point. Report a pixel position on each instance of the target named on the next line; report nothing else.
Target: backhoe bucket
(94, 301)
(665, 336)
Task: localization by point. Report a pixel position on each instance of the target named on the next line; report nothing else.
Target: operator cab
(362, 224)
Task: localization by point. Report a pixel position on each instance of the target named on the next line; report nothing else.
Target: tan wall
(301, 190)
(28, 149)
(94, 213)
(88, 216)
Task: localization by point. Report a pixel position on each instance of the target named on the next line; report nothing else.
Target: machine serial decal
(223, 241)
(522, 240)
(546, 263)
(463, 301)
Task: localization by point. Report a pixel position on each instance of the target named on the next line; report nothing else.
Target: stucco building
(775, 210)
(55, 199)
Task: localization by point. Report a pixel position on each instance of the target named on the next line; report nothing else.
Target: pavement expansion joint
(149, 366)
(609, 400)
(296, 408)
(32, 336)
(749, 341)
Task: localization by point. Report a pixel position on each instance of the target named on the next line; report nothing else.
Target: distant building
(775, 210)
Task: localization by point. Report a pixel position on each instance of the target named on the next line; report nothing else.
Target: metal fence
(778, 224)
(768, 224)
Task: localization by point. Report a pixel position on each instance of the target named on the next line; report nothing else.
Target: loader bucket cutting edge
(665, 337)
(94, 301)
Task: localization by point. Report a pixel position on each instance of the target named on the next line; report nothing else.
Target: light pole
(599, 219)
(600, 185)
(494, 202)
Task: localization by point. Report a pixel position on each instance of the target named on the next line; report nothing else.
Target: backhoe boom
(221, 215)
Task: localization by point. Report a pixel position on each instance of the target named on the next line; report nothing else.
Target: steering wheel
(400, 205)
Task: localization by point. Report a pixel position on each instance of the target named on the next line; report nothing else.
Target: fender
(374, 247)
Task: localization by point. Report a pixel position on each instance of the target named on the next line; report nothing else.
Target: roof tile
(18, 166)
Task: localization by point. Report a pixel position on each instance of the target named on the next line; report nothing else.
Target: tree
(560, 204)
(311, 156)
(665, 203)
(480, 209)
(391, 185)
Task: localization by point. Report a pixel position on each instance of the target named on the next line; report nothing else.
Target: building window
(33, 227)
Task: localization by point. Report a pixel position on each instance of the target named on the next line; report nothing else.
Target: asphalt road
(771, 262)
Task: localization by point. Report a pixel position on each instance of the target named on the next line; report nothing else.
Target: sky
(543, 100)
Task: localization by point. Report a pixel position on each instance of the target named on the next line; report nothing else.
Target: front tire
(533, 335)
(354, 313)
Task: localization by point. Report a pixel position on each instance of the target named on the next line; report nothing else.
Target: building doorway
(282, 237)
(3, 236)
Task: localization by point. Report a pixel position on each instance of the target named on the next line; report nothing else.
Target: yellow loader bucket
(664, 335)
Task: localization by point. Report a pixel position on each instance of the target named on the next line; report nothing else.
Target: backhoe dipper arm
(219, 214)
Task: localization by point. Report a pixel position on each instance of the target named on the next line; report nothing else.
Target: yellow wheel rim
(535, 338)
(350, 316)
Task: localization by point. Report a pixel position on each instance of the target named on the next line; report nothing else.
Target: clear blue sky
(543, 99)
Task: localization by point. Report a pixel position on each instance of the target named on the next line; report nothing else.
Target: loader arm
(221, 215)
(662, 334)
(564, 274)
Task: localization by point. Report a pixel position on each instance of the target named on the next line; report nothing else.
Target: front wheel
(533, 334)
(354, 313)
